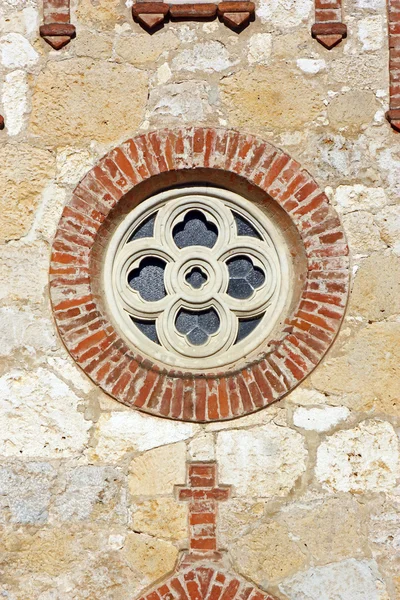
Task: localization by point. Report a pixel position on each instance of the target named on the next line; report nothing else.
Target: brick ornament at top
(124, 180)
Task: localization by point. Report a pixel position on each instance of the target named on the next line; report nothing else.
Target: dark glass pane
(145, 229)
(244, 227)
(197, 326)
(246, 326)
(148, 279)
(148, 328)
(244, 277)
(196, 278)
(195, 230)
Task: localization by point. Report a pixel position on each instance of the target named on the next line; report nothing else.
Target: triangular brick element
(329, 41)
(236, 20)
(150, 21)
(202, 572)
(57, 42)
(57, 30)
(328, 28)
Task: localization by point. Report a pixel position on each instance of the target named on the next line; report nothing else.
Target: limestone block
(276, 99)
(267, 554)
(66, 369)
(284, 14)
(72, 164)
(49, 212)
(311, 66)
(367, 370)
(141, 49)
(365, 458)
(329, 528)
(187, 101)
(207, 56)
(376, 290)
(346, 580)
(352, 109)
(157, 471)
(263, 461)
(22, 329)
(39, 416)
(91, 494)
(236, 517)
(25, 170)
(121, 432)
(15, 101)
(260, 48)
(370, 32)
(388, 222)
(362, 233)
(16, 52)
(320, 418)
(92, 44)
(202, 447)
(18, 263)
(161, 517)
(358, 197)
(103, 15)
(306, 397)
(80, 99)
(150, 557)
(25, 492)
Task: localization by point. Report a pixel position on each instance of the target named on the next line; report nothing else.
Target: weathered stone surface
(311, 66)
(260, 48)
(152, 558)
(236, 517)
(267, 554)
(25, 492)
(93, 45)
(142, 49)
(320, 418)
(15, 101)
(352, 109)
(16, 52)
(365, 370)
(120, 433)
(388, 222)
(91, 494)
(188, 101)
(39, 416)
(370, 32)
(376, 290)
(22, 329)
(102, 16)
(328, 528)
(347, 580)
(284, 15)
(365, 458)
(362, 233)
(72, 164)
(157, 471)
(83, 99)
(25, 170)
(349, 198)
(17, 263)
(209, 57)
(161, 517)
(253, 460)
(271, 98)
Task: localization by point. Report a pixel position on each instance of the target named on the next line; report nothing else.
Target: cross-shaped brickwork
(203, 494)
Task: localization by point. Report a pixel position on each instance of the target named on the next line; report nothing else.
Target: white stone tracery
(266, 250)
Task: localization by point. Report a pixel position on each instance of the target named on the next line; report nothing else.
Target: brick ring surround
(123, 373)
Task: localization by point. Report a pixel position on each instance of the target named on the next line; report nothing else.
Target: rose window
(197, 273)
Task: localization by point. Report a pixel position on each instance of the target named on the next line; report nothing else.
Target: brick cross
(203, 494)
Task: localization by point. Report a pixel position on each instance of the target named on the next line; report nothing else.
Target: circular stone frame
(134, 171)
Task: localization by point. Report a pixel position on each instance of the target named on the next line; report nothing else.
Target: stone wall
(87, 508)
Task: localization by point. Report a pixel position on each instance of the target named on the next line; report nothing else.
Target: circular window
(196, 273)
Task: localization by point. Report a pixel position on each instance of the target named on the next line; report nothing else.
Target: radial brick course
(154, 388)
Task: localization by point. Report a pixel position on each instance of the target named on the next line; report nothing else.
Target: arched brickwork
(76, 264)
